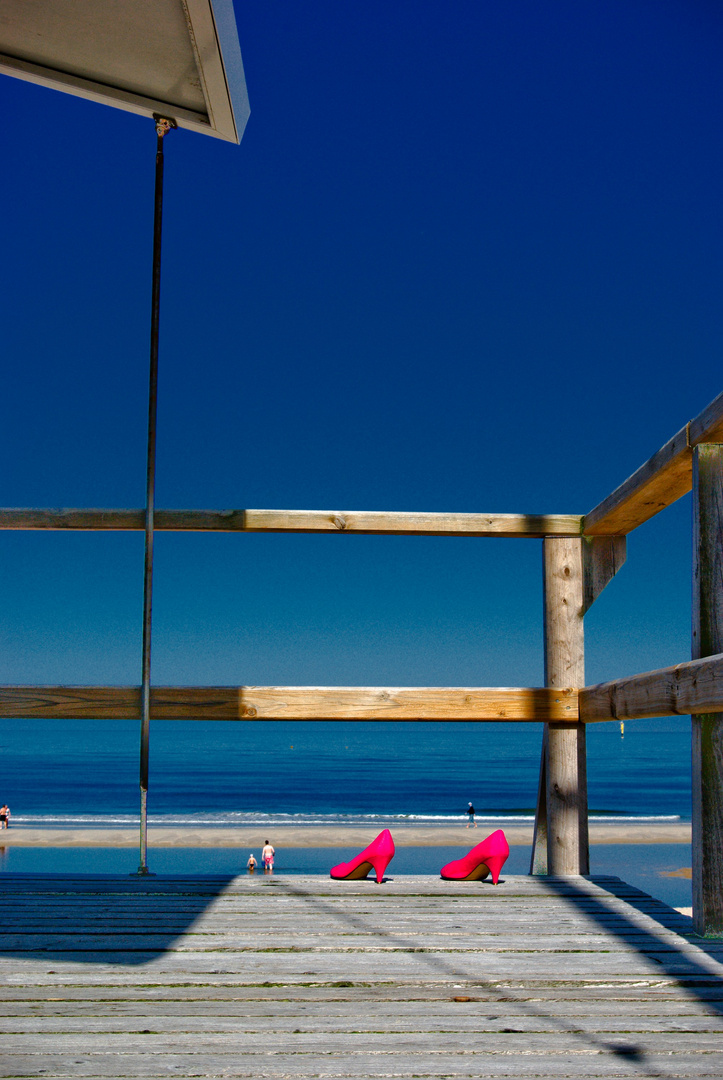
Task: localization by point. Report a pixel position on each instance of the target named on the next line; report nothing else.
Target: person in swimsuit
(471, 823)
(4, 816)
(268, 856)
(252, 864)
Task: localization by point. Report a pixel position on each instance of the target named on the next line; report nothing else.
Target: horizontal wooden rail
(374, 522)
(290, 703)
(660, 482)
(693, 687)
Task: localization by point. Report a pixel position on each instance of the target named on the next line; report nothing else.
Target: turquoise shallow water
(84, 772)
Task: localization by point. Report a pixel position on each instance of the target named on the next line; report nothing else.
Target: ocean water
(60, 774)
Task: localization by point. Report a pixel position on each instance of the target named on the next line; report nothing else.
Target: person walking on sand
(267, 855)
(252, 864)
(4, 816)
(471, 823)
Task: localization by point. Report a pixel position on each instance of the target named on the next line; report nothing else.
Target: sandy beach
(326, 836)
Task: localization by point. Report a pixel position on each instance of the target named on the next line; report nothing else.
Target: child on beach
(252, 864)
(4, 816)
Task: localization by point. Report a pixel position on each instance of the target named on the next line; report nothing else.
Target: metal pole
(163, 126)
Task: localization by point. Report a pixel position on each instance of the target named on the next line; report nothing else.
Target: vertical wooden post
(565, 759)
(601, 558)
(707, 732)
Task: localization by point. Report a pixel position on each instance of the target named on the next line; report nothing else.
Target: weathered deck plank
(306, 977)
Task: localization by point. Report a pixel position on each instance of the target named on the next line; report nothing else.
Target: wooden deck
(306, 977)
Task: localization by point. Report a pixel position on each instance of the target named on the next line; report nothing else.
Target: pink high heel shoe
(378, 855)
(487, 858)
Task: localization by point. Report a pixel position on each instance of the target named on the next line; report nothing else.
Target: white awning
(180, 58)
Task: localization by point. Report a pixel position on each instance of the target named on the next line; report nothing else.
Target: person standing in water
(471, 823)
(267, 855)
(252, 864)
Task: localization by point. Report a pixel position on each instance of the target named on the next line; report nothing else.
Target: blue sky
(467, 257)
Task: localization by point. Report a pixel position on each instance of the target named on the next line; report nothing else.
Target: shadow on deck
(548, 967)
(101, 918)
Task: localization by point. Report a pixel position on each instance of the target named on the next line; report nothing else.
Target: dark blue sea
(72, 773)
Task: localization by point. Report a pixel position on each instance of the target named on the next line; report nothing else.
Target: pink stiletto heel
(487, 858)
(378, 855)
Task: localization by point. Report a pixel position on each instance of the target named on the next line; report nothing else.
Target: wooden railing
(370, 522)
(581, 555)
(660, 481)
(527, 704)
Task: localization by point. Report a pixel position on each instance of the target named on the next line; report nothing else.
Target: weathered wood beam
(661, 481)
(707, 725)
(374, 522)
(27, 519)
(602, 557)
(502, 704)
(562, 800)
(693, 687)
